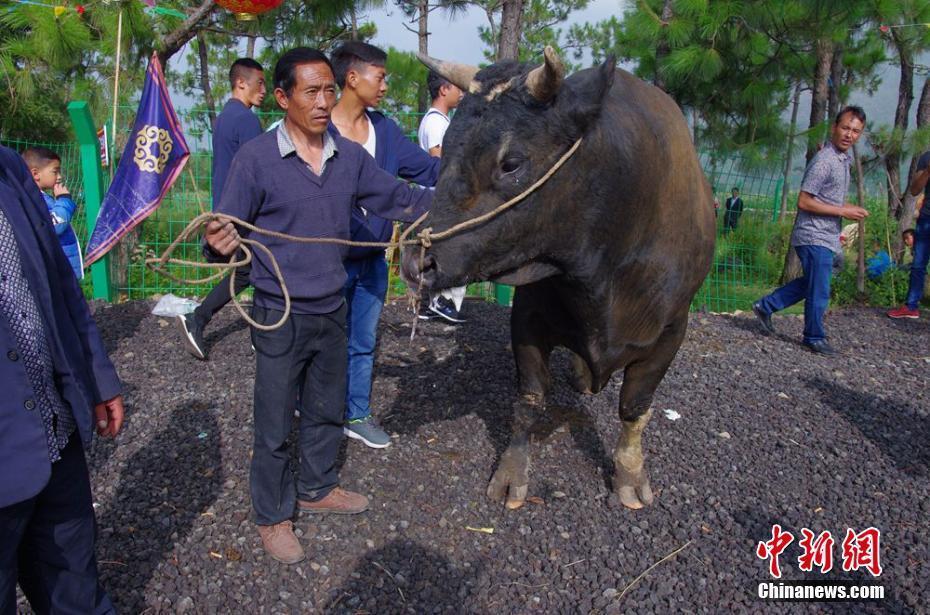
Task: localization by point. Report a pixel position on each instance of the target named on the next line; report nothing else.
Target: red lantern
(246, 10)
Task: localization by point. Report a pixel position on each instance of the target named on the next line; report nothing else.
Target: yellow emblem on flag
(145, 158)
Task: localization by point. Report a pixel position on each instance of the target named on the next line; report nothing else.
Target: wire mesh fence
(748, 258)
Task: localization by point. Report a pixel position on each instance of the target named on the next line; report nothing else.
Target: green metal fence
(748, 261)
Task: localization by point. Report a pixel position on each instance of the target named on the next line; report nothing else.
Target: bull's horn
(461, 75)
(544, 81)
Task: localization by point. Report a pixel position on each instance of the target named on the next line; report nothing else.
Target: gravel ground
(768, 433)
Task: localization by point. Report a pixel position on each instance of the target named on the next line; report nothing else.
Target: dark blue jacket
(235, 125)
(83, 372)
(400, 157)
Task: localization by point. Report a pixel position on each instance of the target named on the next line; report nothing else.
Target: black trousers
(47, 544)
(217, 298)
(303, 362)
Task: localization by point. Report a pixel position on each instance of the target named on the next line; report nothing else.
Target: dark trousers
(303, 365)
(813, 287)
(217, 298)
(47, 544)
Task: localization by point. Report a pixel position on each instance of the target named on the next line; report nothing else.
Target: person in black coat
(734, 208)
(59, 385)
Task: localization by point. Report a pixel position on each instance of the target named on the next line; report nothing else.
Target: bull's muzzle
(413, 272)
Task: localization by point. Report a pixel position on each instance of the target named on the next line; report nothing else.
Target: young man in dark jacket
(360, 73)
(301, 180)
(235, 125)
(58, 386)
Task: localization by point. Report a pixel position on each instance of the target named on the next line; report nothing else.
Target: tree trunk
(789, 151)
(173, 41)
(511, 24)
(819, 96)
(663, 48)
(250, 46)
(836, 77)
(423, 100)
(893, 156)
(909, 205)
(205, 76)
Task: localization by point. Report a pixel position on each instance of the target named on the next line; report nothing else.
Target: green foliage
(405, 75)
(539, 29)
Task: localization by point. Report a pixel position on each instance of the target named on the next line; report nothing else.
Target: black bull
(606, 255)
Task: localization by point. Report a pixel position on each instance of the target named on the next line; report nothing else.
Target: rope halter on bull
(424, 238)
(542, 82)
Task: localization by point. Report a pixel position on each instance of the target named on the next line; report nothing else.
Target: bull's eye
(509, 165)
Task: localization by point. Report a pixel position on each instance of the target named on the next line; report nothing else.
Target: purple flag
(154, 157)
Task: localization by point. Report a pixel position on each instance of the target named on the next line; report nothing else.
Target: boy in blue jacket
(362, 79)
(45, 166)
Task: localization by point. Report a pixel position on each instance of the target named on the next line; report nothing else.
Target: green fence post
(93, 189)
(776, 202)
(503, 294)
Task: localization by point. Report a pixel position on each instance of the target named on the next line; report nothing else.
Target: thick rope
(424, 238)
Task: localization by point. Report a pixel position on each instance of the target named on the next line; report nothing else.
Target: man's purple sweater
(284, 195)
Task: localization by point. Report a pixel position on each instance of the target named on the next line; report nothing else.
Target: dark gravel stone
(823, 443)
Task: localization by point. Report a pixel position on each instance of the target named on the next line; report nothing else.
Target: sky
(458, 41)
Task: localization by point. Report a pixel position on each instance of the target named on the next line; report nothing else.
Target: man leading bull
(301, 180)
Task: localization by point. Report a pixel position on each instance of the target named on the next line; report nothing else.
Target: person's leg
(57, 564)
(14, 520)
(364, 311)
(817, 262)
(321, 407)
(277, 369)
(915, 289)
(219, 296)
(787, 295)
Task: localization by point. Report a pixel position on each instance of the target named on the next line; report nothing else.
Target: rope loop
(424, 239)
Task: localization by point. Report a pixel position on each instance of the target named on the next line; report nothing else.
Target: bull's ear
(583, 94)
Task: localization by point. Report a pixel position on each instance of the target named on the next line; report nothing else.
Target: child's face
(48, 176)
(909, 240)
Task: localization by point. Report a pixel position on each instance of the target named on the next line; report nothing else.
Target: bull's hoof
(636, 494)
(510, 482)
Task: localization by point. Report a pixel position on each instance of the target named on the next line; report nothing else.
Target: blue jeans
(813, 287)
(365, 290)
(915, 289)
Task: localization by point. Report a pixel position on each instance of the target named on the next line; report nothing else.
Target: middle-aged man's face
(311, 100)
(254, 86)
(846, 132)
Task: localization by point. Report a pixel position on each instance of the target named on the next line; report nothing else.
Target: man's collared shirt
(826, 179)
(286, 147)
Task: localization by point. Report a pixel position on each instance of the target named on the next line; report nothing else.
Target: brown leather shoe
(338, 502)
(281, 543)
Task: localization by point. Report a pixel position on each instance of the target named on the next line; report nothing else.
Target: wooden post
(860, 187)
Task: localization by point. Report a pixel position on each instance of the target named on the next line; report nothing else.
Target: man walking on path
(59, 385)
(446, 97)
(360, 73)
(301, 180)
(915, 287)
(816, 233)
(235, 125)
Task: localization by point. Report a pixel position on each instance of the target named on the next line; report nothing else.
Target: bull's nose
(416, 271)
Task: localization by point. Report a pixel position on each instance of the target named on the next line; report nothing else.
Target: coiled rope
(424, 238)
